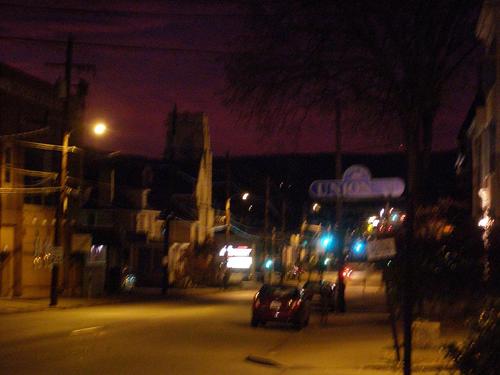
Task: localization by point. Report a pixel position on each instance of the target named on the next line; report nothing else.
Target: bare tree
(393, 59)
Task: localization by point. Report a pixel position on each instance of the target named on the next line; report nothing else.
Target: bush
(479, 354)
(448, 256)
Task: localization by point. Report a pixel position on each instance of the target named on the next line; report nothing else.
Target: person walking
(325, 299)
(225, 278)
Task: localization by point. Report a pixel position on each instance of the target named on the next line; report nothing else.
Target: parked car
(347, 272)
(281, 303)
(314, 289)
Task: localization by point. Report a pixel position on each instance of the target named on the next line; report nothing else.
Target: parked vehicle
(281, 303)
(347, 272)
(316, 289)
(128, 281)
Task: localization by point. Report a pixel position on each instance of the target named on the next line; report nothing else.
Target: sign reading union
(357, 183)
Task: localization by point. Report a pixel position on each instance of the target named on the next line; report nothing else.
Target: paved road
(198, 335)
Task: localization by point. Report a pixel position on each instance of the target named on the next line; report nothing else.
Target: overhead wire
(25, 134)
(114, 12)
(116, 46)
(32, 173)
(32, 190)
(48, 147)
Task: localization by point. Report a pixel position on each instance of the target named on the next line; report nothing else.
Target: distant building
(123, 221)
(188, 161)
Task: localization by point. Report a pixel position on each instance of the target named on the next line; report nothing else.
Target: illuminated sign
(239, 262)
(357, 183)
(240, 251)
(237, 257)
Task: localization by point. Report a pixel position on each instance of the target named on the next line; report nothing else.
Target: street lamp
(244, 197)
(60, 232)
(100, 128)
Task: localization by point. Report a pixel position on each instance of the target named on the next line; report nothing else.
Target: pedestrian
(225, 278)
(325, 299)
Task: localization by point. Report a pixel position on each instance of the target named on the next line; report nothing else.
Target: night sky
(134, 89)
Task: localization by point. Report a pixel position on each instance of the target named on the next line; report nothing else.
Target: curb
(48, 308)
(174, 292)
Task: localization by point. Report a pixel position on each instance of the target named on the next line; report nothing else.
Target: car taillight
(256, 303)
(294, 304)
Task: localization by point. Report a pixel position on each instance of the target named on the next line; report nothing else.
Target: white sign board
(381, 249)
(239, 262)
(240, 251)
(357, 183)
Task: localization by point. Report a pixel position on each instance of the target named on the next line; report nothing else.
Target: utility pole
(168, 157)
(283, 227)
(266, 216)
(60, 230)
(228, 200)
(166, 244)
(338, 208)
(283, 217)
(61, 211)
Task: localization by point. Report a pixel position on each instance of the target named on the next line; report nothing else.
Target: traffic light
(327, 241)
(359, 247)
(268, 264)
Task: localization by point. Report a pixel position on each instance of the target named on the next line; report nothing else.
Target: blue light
(359, 247)
(268, 264)
(326, 241)
(394, 217)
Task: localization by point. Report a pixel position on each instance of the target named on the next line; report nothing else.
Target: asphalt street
(207, 334)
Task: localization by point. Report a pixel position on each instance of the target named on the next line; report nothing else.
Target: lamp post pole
(244, 197)
(59, 235)
(64, 209)
(166, 248)
(338, 208)
(228, 220)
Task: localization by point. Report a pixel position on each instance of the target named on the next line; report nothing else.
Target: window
(485, 155)
(7, 154)
(477, 161)
(492, 146)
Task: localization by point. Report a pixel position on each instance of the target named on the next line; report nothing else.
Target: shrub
(479, 354)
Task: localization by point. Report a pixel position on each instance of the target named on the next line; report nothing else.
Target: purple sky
(134, 90)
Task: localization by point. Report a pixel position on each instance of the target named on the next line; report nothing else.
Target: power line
(115, 12)
(116, 46)
(33, 173)
(25, 134)
(48, 147)
(23, 190)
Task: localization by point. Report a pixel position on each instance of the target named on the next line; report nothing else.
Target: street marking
(83, 331)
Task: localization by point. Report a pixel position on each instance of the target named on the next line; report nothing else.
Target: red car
(281, 303)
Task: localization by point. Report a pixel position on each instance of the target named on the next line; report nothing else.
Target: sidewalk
(350, 345)
(22, 305)
(357, 342)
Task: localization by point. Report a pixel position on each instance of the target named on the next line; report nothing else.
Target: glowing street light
(100, 128)
(245, 196)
